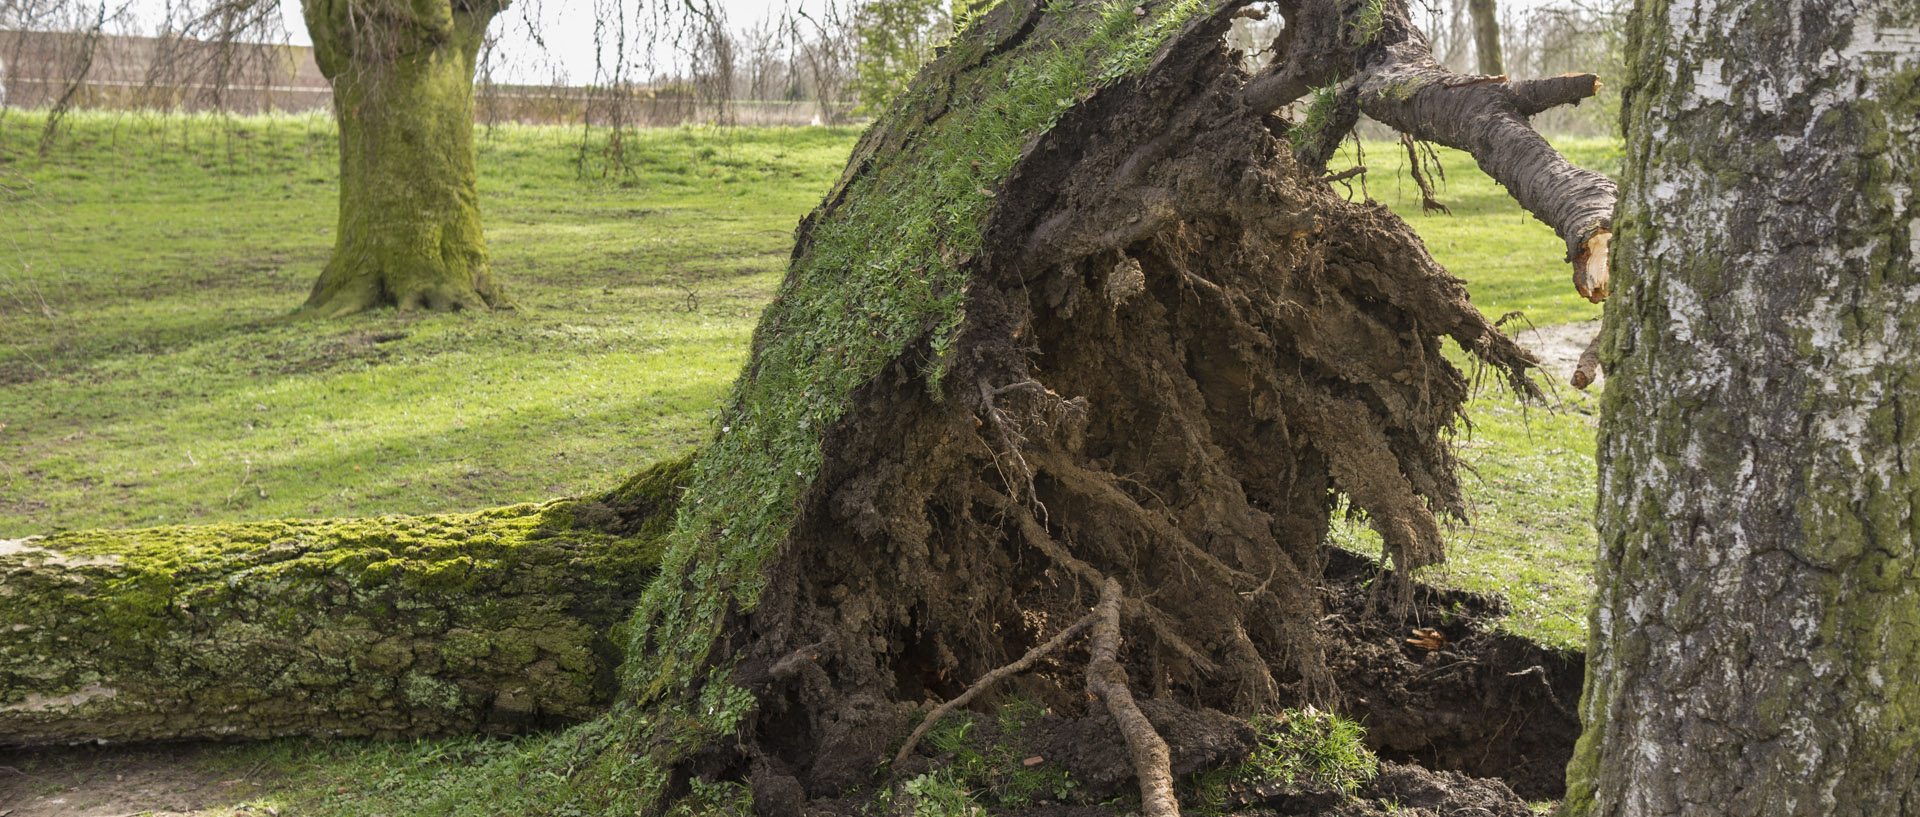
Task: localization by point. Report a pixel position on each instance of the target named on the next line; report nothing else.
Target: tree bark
(493, 621)
(1486, 37)
(409, 225)
(1756, 643)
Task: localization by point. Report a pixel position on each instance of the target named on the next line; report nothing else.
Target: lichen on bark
(1756, 643)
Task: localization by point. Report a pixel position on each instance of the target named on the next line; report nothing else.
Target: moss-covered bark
(491, 621)
(1756, 642)
(409, 227)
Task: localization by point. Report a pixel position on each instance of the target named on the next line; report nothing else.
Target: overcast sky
(566, 27)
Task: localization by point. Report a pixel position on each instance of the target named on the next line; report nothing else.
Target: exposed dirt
(163, 781)
(1559, 348)
(1478, 726)
(1486, 703)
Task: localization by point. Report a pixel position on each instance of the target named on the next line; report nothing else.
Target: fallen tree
(1081, 320)
(392, 627)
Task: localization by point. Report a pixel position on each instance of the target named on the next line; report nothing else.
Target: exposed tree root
(1107, 682)
(987, 681)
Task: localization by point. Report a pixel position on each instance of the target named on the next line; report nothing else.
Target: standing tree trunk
(1756, 643)
(409, 229)
(1486, 37)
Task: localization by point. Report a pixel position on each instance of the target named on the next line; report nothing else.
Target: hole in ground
(1486, 704)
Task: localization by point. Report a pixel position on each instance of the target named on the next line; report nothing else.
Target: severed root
(1428, 204)
(1107, 681)
(1589, 367)
(1345, 174)
(987, 681)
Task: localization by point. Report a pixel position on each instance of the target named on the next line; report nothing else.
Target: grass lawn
(150, 371)
(150, 374)
(1530, 469)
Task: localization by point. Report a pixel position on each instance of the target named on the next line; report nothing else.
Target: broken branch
(1586, 371)
(1531, 96)
(1107, 681)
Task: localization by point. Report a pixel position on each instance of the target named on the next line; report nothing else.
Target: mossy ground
(130, 395)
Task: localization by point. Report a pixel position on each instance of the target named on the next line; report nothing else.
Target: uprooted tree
(1082, 321)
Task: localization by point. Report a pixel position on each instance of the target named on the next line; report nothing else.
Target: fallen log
(494, 621)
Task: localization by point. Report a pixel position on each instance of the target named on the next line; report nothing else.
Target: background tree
(1486, 37)
(892, 39)
(1756, 643)
(402, 74)
(1572, 37)
(409, 227)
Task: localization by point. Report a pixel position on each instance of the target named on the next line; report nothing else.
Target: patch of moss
(1319, 113)
(1295, 748)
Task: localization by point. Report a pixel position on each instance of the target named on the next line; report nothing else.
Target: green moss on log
(396, 626)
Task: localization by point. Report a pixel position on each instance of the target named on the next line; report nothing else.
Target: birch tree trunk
(1756, 642)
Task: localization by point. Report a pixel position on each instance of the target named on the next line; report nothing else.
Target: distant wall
(150, 73)
(38, 67)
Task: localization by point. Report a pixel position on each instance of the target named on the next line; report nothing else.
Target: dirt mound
(1478, 726)
(1486, 703)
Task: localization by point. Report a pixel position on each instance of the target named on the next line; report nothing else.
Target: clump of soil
(1478, 726)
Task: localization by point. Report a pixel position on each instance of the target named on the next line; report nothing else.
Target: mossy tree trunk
(409, 226)
(1756, 642)
(492, 621)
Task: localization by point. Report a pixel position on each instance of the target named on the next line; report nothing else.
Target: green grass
(149, 373)
(1529, 480)
(1510, 261)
